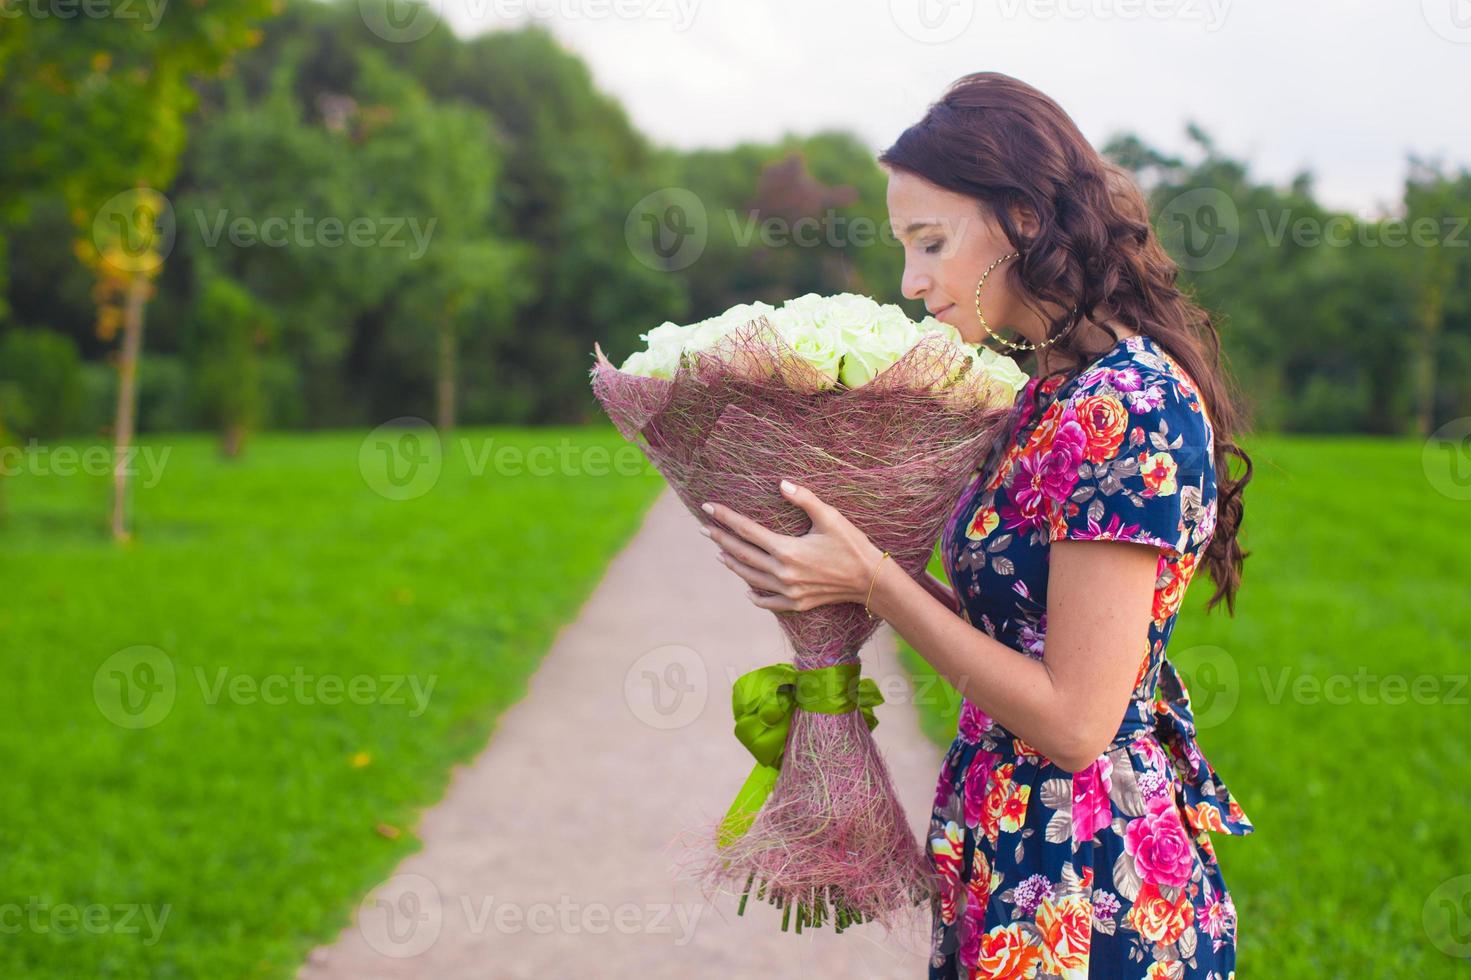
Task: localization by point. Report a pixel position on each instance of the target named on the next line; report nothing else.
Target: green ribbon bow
(763, 701)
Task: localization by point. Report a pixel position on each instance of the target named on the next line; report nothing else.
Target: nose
(914, 284)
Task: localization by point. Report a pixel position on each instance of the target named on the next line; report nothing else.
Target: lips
(938, 313)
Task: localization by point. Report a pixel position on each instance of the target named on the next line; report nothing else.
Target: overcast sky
(1346, 88)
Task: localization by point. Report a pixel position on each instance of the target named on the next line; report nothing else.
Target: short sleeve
(1133, 453)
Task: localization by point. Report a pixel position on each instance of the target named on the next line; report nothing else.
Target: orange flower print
(1003, 469)
(946, 852)
(1159, 919)
(1168, 596)
(1006, 954)
(1024, 748)
(1105, 420)
(1158, 470)
(1165, 970)
(983, 880)
(1057, 521)
(1041, 438)
(1006, 804)
(1067, 930)
(1204, 817)
(983, 523)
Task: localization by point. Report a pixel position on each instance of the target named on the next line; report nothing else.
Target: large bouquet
(885, 419)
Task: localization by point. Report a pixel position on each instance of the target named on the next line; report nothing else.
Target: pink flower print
(943, 787)
(1069, 443)
(1160, 845)
(1145, 400)
(1033, 639)
(977, 782)
(973, 721)
(1152, 753)
(972, 928)
(1092, 810)
(1026, 505)
(1125, 379)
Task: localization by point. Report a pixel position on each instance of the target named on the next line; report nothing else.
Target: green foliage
(42, 373)
(230, 328)
(94, 105)
(527, 185)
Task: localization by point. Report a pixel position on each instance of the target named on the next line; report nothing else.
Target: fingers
(807, 500)
(754, 577)
(767, 540)
(776, 603)
(743, 550)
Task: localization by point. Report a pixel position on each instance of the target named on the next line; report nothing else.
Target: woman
(1072, 820)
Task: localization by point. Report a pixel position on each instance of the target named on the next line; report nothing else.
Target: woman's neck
(1090, 338)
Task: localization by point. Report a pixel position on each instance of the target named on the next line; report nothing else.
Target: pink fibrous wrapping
(893, 456)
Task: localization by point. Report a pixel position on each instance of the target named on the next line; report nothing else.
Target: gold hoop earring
(1012, 344)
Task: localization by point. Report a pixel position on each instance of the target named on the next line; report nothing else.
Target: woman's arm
(939, 590)
(1069, 705)
(1100, 597)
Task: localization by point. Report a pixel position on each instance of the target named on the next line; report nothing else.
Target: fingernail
(708, 508)
(787, 486)
(704, 530)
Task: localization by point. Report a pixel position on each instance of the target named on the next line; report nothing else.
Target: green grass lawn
(1335, 706)
(334, 650)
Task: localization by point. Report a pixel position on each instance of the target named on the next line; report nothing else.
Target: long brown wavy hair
(1002, 142)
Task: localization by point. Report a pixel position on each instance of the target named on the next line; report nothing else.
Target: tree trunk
(234, 439)
(445, 411)
(127, 370)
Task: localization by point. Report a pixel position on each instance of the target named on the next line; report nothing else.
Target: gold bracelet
(871, 582)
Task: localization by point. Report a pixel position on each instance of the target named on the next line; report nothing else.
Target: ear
(1025, 220)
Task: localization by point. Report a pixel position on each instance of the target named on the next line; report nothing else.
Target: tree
(95, 109)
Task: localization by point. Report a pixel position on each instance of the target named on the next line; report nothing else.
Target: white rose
(812, 342)
(871, 354)
(661, 363)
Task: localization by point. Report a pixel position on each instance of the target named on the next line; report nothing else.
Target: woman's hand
(833, 562)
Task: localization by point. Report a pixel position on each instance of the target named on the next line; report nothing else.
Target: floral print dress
(1108, 872)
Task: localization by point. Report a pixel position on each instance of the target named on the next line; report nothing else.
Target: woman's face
(949, 242)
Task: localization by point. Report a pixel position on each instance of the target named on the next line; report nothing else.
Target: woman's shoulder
(1135, 400)
(1148, 382)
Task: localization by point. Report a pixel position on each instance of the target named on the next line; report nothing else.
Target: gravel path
(556, 852)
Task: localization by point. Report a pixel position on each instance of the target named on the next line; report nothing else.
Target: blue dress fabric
(1108, 872)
